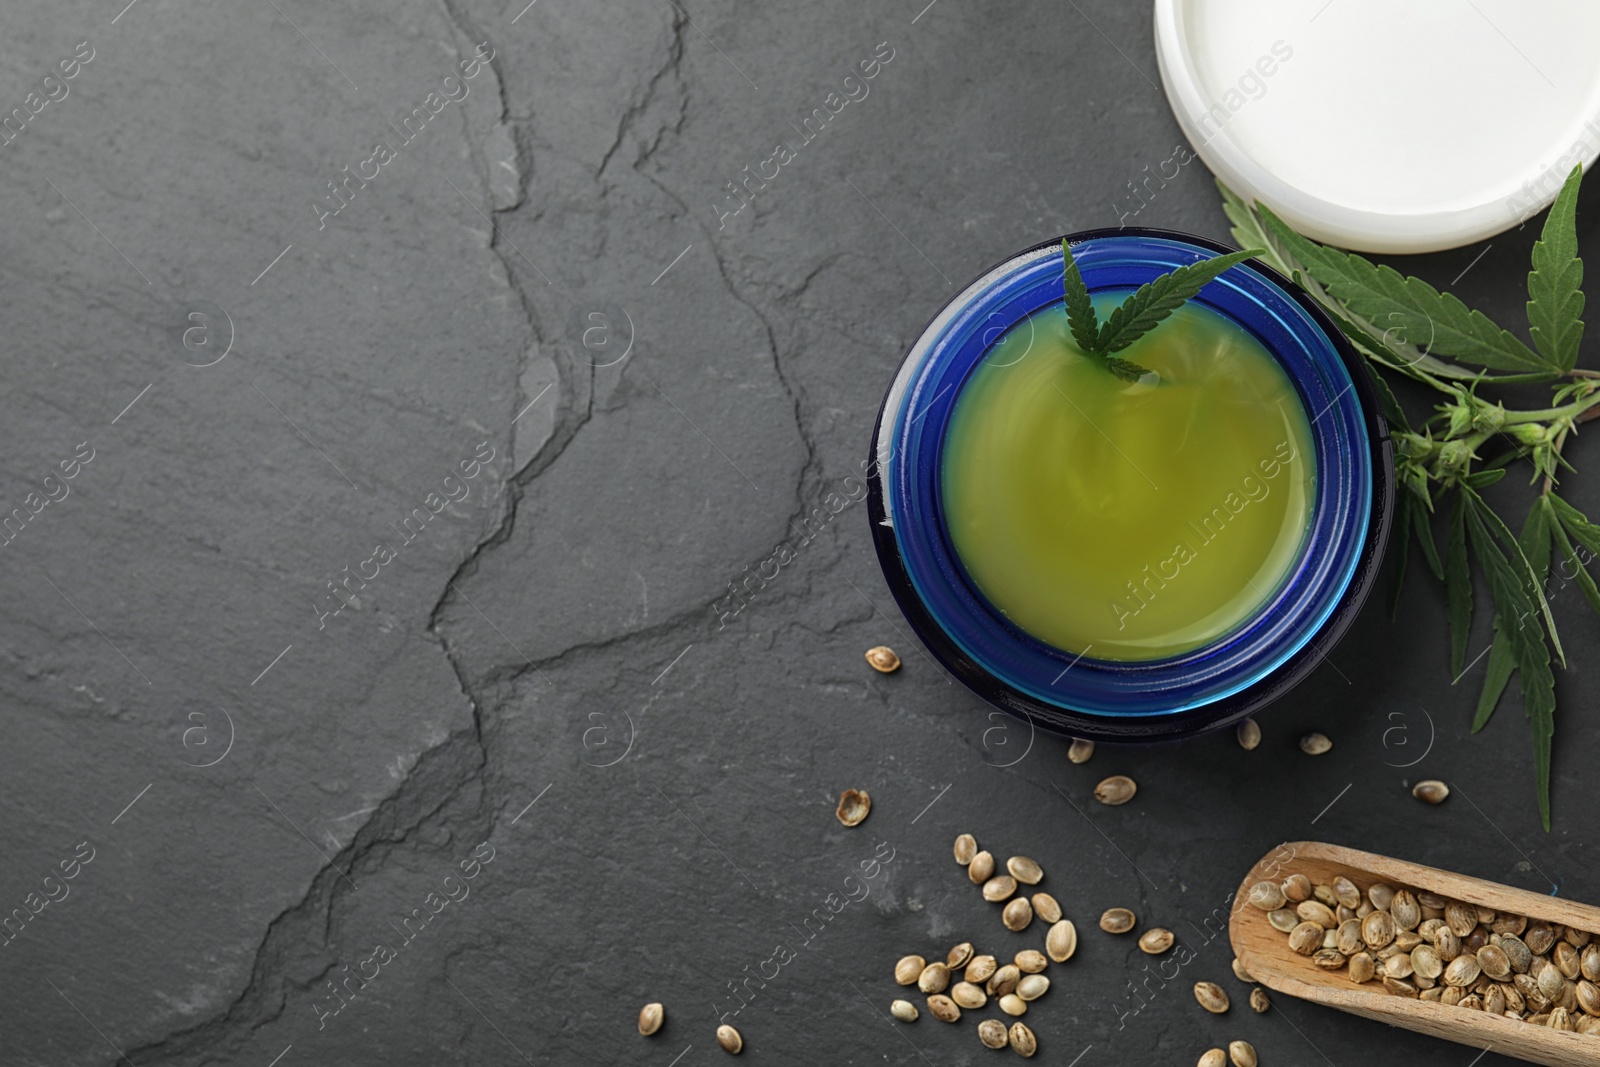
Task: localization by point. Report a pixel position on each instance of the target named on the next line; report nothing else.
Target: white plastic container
(1387, 125)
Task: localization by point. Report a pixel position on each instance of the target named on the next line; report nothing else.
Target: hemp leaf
(1555, 285)
(1139, 313)
(1404, 326)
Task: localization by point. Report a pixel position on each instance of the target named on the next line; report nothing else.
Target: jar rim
(1222, 680)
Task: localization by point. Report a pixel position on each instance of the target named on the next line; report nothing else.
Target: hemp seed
(1242, 1054)
(904, 1010)
(1117, 920)
(1259, 1000)
(854, 805)
(1212, 997)
(966, 848)
(992, 1032)
(1118, 789)
(1023, 1041)
(729, 1039)
(1315, 744)
(1080, 750)
(1062, 941)
(650, 1018)
(1155, 941)
(1048, 910)
(1025, 870)
(909, 969)
(1430, 792)
(1018, 914)
(1030, 961)
(1249, 734)
(883, 659)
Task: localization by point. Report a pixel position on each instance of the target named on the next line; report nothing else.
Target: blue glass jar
(1208, 687)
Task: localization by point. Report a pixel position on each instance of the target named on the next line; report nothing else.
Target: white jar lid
(1387, 125)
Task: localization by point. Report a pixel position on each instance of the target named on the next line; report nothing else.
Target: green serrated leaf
(1411, 304)
(1583, 531)
(1458, 585)
(1393, 414)
(1555, 285)
(1580, 573)
(1531, 655)
(1081, 318)
(1484, 478)
(1248, 232)
(1424, 532)
(1502, 665)
(1127, 370)
(1531, 578)
(1160, 297)
(1535, 542)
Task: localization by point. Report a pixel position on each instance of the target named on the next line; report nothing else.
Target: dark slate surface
(267, 788)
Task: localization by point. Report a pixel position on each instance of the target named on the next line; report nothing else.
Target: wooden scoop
(1265, 952)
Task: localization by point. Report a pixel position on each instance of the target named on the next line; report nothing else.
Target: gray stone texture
(550, 636)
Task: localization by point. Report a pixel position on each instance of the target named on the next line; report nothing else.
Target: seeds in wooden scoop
(1306, 938)
(1023, 1042)
(943, 1008)
(1315, 744)
(904, 1010)
(909, 969)
(650, 1018)
(966, 848)
(729, 1039)
(1212, 997)
(1155, 941)
(1018, 914)
(1024, 870)
(992, 1032)
(1062, 941)
(1080, 750)
(1117, 920)
(1432, 791)
(883, 659)
(1249, 734)
(1297, 887)
(1048, 910)
(1118, 789)
(1268, 896)
(854, 804)
(1283, 920)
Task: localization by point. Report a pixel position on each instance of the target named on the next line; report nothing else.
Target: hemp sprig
(1438, 462)
(1140, 313)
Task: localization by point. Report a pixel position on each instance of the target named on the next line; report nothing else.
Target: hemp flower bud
(1489, 417)
(1529, 433)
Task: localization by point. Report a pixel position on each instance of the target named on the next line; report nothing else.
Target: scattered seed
(1155, 941)
(968, 995)
(1239, 971)
(1080, 750)
(1023, 1041)
(650, 1018)
(883, 659)
(854, 804)
(1025, 870)
(1118, 789)
(980, 970)
(1432, 791)
(1032, 986)
(1259, 1000)
(1048, 910)
(981, 868)
(943, 1008)
(959, 956)
(1213, 1057)
(1031, 961)
(966, 848)
(1242, 1054)
(934, 978)
(999, 888)
(1012, 1004)
(909, 969)
(1117, 920)
(1315, 744)
(904, 1010)
(1062, 941)
(1018, 914)
(1004, 981)
(992, 1032)
(1212, 997)
(729, 1039)
(1249, 734)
